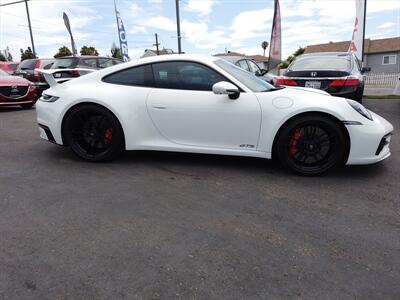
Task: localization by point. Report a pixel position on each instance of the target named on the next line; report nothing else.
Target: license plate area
(313, 84)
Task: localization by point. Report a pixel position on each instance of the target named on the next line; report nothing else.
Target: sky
(208, 26)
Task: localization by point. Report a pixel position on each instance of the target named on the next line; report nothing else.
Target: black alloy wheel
(93, 133)
(311, 145)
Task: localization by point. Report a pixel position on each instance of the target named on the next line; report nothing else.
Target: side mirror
(365, 69)
(226, 88)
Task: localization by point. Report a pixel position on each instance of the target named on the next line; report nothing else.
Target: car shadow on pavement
(193, 163)
(7, 109)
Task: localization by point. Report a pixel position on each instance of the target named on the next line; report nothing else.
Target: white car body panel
(203, 122)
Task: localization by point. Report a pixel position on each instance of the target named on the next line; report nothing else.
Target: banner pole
(363, 41)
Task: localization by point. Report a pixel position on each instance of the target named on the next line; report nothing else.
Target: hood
(13, 80)
(309, 90)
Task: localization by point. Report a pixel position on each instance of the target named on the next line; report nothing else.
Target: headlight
(48, 98)
(360, 109)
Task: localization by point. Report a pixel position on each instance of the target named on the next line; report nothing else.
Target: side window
(253, 66)
(243, 64)
(185, 76)
(116, 61)
(48, 66)
(136, 76)
(90, 62)
(105, 62)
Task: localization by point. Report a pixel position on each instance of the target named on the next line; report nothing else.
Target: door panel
(201, 118)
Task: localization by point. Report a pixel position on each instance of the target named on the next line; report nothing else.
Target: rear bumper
(370, 143)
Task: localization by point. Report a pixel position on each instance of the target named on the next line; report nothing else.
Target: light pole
(29, 21)
(178, 26)
(30, 28)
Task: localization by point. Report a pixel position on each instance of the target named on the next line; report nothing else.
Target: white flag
(357, 41)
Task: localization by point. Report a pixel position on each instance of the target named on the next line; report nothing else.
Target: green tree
(2, 57)
(116, 52)
(27, 54)
(63, 51)
(89, 51)
(264, 45)
(291, 58)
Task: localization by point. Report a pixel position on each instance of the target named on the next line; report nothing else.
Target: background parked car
(15, 90)
(250, 66)
(26, 69)
(338, 73)
(80, 62)
(8, 66)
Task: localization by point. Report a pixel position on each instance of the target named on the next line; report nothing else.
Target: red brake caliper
(108, 134)
(293, 142)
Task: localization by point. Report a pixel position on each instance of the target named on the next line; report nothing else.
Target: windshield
(65, 63)
(340, 63)
(248, 79)
(3, 73)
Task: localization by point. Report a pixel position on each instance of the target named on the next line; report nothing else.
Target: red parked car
(9, 66)
(16, 91)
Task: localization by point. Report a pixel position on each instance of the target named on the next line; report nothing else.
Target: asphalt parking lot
(178, 226)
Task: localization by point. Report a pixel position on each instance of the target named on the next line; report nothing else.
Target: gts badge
(246, 146)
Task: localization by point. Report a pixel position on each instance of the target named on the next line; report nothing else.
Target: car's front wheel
(311, 145)
(93, 133)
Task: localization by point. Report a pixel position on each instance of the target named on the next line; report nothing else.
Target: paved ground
(173, 226)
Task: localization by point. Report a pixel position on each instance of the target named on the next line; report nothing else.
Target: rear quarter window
(136, 76)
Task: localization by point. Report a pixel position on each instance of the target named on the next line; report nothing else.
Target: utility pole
(29, 20)
(178, 26)
(157, 44)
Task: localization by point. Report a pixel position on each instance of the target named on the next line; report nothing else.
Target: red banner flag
(275, 48)
(357, 41)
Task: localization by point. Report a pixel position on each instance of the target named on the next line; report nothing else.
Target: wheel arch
(313, 113)
(84, 103)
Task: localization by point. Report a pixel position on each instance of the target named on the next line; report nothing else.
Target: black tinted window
(185, 76)
(138, 76)
(28, 64)
(90, 62)
(65, 63)
(105, 62)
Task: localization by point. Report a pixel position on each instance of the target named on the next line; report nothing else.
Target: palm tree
(264, 45)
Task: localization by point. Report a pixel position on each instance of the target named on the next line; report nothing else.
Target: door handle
(159, 106)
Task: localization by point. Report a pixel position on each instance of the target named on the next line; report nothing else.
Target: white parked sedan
(190, 103)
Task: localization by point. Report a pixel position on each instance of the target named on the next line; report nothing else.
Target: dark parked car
(338, 73)
(26, 69)
(81, 62)
(250, 66)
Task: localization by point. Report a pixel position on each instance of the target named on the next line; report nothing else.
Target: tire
(311, 145)
(93, 133)
(359, 95)
(27, 106)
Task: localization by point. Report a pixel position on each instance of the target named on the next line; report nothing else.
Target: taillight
(74, 73)
(37, 66)
(345, 81)
(285, 81)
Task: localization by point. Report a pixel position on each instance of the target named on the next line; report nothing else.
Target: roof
(370, 46)
(257, 57)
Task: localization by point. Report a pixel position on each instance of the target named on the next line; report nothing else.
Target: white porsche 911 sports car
(190, 103)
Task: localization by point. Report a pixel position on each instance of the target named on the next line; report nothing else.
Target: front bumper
(370, 142)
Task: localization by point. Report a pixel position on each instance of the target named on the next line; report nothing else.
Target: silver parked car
(249, 65)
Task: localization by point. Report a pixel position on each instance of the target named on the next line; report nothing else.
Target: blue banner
(123, 42)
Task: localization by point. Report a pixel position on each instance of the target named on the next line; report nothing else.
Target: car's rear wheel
(311, 145)
(93, 133)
